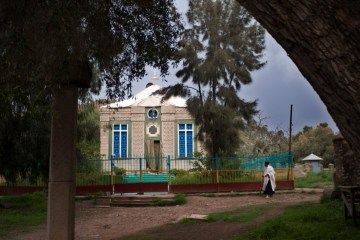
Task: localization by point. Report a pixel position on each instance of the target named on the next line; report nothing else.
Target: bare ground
(116, 223)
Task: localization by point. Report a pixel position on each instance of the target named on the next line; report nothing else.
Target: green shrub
(119, 171)
(178, 172)
(197, 177)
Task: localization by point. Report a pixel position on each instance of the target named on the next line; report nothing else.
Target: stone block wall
(168, 133)
(136, 117)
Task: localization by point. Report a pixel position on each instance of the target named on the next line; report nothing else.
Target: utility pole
(289, 157)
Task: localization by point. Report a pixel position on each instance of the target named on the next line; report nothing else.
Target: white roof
(312, 157)
(146, 99)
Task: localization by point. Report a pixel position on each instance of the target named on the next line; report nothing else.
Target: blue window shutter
(123, 144)
(116, 144)
(181, 144)
(189, 144)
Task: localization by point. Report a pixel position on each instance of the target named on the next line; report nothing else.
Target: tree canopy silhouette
(46, 44)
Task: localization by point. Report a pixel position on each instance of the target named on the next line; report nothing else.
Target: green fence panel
(175, 170)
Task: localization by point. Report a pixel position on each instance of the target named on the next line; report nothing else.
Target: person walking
(269, 184)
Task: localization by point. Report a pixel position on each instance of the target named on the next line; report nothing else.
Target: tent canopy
(312, 157)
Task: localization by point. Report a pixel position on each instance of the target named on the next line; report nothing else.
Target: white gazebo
(314, 161)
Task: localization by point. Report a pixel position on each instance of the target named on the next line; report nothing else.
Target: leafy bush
(197, 177)
(226, 176)
(178, 172)
(119, 171)
(96, 178)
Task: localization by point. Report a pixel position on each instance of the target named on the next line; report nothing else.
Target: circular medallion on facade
(153, 113)
(153, 130)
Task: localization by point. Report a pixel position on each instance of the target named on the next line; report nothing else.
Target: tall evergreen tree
(221, 47)
(88, 137)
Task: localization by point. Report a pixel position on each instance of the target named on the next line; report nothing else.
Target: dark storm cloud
(278, 85)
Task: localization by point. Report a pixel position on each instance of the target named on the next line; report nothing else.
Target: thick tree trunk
(322, 37)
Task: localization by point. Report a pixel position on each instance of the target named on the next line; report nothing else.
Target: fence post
(112, 174)
(217, 168)
(140, 166)
(292, 166)
(169, 174)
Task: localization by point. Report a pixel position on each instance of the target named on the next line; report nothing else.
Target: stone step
(130, 204)
(132, 201)
(103, 201)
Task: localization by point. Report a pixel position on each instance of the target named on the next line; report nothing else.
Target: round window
(153, 113)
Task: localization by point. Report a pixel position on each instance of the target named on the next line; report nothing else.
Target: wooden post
(289, 157)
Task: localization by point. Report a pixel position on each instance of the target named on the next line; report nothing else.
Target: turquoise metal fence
(179, 170)
(280, 160)
(185, 170)
(229, 169)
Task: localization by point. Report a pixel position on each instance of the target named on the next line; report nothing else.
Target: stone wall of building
(108, 115)
(137, 131)
(168, 127)
(104, 132)
(347, 166)
(136, 117)
(182, 113)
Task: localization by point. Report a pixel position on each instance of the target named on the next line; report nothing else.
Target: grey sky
(278, 85)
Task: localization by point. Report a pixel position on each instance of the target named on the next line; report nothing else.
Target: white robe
(271, 172)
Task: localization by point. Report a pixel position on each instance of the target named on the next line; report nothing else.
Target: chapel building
(146, 126)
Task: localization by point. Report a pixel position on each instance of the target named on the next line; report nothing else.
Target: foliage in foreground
(310, 221)
(179, 199)
(315, 180)
(22, 211)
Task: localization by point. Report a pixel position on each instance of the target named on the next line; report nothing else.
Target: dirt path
(114, 223)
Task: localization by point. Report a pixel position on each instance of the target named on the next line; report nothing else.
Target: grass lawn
(315, 221)
(239, 215)
(311, 221)
(315, 180)
(21, 212)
